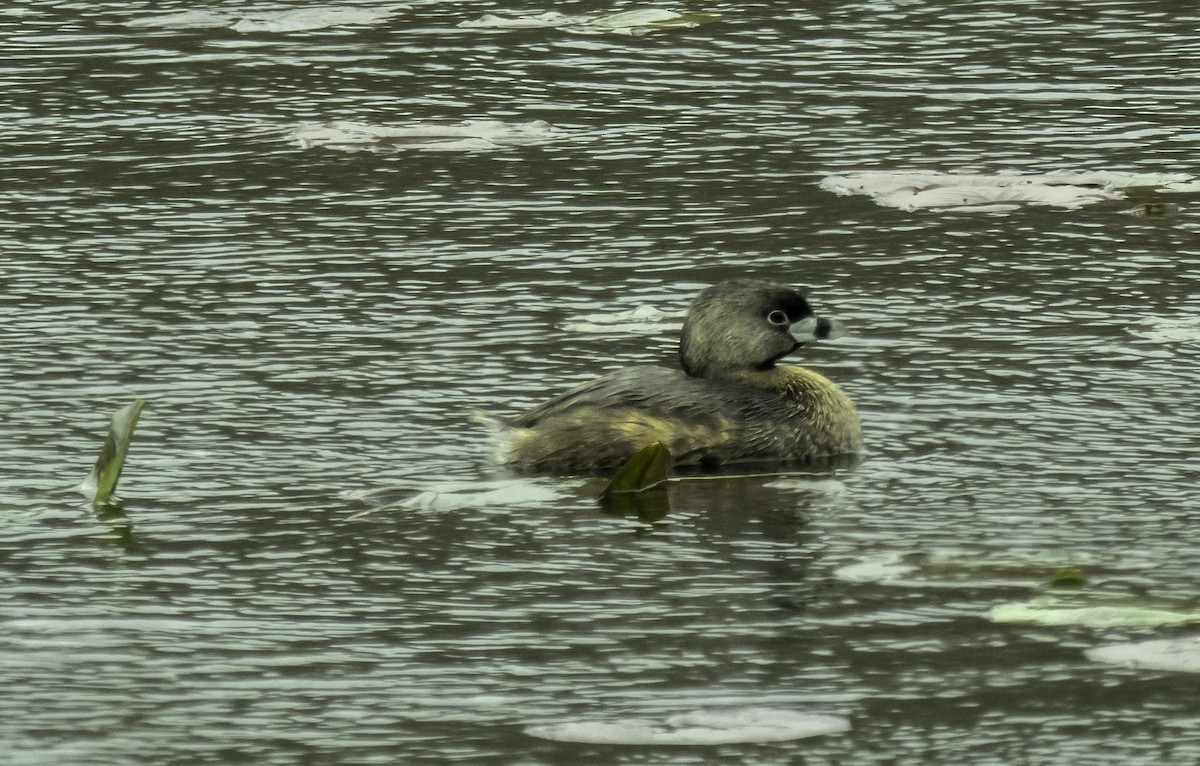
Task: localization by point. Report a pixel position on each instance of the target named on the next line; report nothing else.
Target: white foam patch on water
(1181, 654)
(432, 135)
(997, 192)
(716, 726)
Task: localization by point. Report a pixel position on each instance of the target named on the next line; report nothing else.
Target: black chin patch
(771, 362)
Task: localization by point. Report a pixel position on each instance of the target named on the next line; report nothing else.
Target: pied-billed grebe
(729, 403)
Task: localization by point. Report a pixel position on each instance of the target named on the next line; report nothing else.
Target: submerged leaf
(445, 496)
(102, 482)
(969, 569)
(301, 20)
(1182, 329)
(120, 534)
(649, 507)
(633, 22)
(184, 20)
(308, 19)
(1068, 577)
(1154, 210)
(719, 726)
(643, 320)
(996, 192)
(647, 468)
(1180, 654)
(427, 135)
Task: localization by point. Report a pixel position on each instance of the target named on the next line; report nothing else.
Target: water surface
(313, 329)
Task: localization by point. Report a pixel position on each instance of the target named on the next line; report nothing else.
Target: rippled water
(313, 329)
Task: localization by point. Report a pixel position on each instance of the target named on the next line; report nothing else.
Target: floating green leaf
(647, 468)
(1095, 611)
(102, 482)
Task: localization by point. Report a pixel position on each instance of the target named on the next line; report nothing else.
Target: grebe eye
(777, 318)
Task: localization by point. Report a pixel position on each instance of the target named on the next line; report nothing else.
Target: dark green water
(313, 327)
